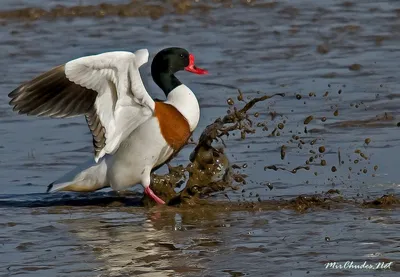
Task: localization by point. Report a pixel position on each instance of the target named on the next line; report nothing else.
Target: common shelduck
(132, 134)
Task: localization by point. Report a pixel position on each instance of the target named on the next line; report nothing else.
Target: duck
(132, 133)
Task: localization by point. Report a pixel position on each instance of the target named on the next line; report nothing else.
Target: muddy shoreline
(331, 200)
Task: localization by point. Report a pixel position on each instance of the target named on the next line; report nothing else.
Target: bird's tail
(85, 178)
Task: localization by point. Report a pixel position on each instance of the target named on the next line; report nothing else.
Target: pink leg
(152, 195)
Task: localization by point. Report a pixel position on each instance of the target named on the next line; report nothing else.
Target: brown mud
(385, 202)
(210, 170)
(329, 200)
(304, 203)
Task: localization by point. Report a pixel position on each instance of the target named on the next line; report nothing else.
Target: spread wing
(106, 88)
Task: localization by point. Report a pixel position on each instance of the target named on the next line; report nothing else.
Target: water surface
(295, 47)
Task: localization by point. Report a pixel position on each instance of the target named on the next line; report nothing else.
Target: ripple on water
(295, 48)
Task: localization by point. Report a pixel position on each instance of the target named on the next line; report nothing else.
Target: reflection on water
(124, 244)
(128, 241)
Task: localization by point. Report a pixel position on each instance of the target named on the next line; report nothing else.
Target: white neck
(184, 100)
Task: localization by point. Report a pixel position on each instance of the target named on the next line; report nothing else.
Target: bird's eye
(181, 55)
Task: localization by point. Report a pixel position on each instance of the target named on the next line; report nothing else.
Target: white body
(142, 150)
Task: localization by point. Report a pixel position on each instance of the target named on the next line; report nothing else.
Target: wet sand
(320, 171)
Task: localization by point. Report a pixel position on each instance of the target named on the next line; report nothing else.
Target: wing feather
(97, 130)
(42, 95)
(106, 88)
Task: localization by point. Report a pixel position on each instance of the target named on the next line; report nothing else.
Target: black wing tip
(16, 92)
(13, 94)
(15, 102)
(49, 187)
(12, 102)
